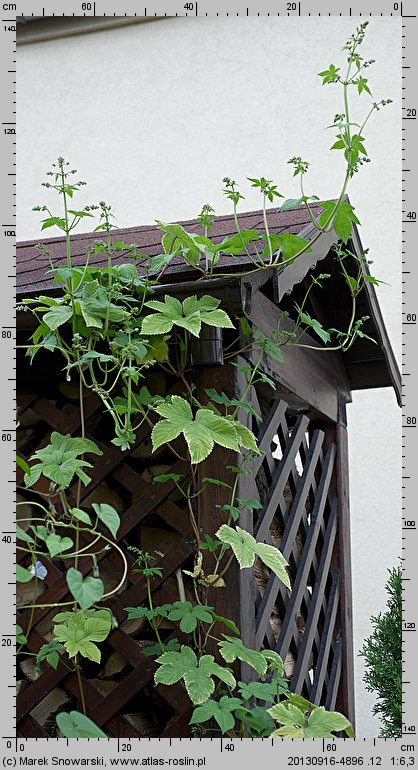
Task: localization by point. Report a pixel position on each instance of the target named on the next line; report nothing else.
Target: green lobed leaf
(289, 731)
(262, 690)
(322, 723)
(235, 244)
(257, 719)
(164, 477)
(287, 714)
(57, 316)
(78, 631)
(189, 615)
(53, 221)
(274, 661)
(196, 674)
(273, 559)
(59, 460)
(155, 649)
(50, 653)
(188, 315)
(220, 711)
(316, 326)
(241, 542)
(201, 431)
(291, 203)
(344, 218)
(300, 718)
(291, 245)
(246, 548)
(227, 623)
(232, 649)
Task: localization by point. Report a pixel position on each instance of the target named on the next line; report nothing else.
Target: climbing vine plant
(109, 330)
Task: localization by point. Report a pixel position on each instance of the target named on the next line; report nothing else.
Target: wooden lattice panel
(294, 479)
(299, 515)
(127, 703)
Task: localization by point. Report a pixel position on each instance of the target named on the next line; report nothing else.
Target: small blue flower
(39, 570)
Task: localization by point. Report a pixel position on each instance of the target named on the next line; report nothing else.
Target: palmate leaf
(50, 653)
(246, 548)
(289, 245)
(307, 721)
(201, 431)
(189, 615)
(220, 711)
(262, 690)
(57, 316)
(314, 324)
(78, 631)
(274, 661)
(76, 725)
(257, 719)
(322, 723)
(177, 239)
(59, 460)
(196, 674)
(330, 75)
(155, 649)
(236, 244)
(343, 220)
(222, 398)
(232, 649)
(157, 613)
(189, 315)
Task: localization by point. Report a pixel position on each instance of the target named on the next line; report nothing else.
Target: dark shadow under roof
(368, 365)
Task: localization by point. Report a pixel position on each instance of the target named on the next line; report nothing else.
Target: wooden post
(345, 697)
(210, 517)
(247, 586)
(237, 600)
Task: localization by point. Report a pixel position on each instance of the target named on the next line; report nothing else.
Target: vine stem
(266, 227)
(80, 685)
(224, 571)
(103, 537)
(312, 217)
(78, 496)
(194, 524)
(242, 239)
(151, 606)
(35, 588)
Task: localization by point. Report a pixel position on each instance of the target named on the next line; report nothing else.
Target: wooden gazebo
(301, 482)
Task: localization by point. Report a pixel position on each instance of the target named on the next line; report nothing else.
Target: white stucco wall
(155, 115)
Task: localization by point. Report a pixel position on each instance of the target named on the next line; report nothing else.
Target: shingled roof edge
(284, 284)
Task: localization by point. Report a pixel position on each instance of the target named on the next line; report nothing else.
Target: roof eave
(380, 328)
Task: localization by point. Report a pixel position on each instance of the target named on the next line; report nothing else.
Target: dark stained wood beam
(308, 380)
(345, 697)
